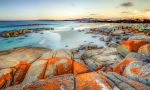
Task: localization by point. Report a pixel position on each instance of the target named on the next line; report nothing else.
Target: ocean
(64, 35)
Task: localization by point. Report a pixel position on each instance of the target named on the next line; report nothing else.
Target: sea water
(65, 35)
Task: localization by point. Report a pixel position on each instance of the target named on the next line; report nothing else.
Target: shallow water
(65, 34)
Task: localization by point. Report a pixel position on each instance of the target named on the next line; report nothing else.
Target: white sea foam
(51, 40)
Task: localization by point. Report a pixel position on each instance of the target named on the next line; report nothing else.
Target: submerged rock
(102, 39)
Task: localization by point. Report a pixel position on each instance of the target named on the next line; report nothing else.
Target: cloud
(131, 12)
(147, 9)
(93, 14)
(127, 4)
(125, 11)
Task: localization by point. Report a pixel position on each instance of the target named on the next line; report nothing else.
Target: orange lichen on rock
(122, 63)
(62, 82)
(41, 75)
(99, 67)
(135, 70)
(65, 67)
(109, 69)
(79, 68)
(145, 49)
(91, 81)
(20, 72)
(53, 60)
(133, 45)
(58, 66)
(5, 77)
(43, 59)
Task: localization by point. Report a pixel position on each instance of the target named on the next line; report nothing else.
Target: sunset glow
(73, 9)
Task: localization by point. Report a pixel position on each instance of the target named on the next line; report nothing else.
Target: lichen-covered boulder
(91, 81)
(13, 75)
(119, 68)
(145, 50)
(36, 71)
(79, 68)
(130, 46)
(58, 66)
(62, 82)
(138, 71)
(19, 72)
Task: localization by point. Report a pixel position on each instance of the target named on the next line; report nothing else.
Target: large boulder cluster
(118, 34)
(121, 66)
(64, 69)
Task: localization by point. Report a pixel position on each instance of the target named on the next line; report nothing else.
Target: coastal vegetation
(116, 21)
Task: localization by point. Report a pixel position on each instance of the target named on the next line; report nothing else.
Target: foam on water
(50, 40)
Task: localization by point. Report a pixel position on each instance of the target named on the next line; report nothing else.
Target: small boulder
(101, 39)
(145, 50)
(58, 66)
(130, 46)
(118, 32)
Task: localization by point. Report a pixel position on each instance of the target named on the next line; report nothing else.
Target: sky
(73, 9)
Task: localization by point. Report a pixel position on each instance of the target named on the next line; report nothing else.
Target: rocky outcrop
(13, 33)
(62, 82)
(65, 69)
(93, 81)
(130, 46)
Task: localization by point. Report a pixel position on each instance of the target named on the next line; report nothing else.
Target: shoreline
(38, 66)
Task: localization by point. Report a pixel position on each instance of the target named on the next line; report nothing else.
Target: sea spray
(51, 40)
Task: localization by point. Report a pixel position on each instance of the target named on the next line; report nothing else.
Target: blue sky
(73, 9)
